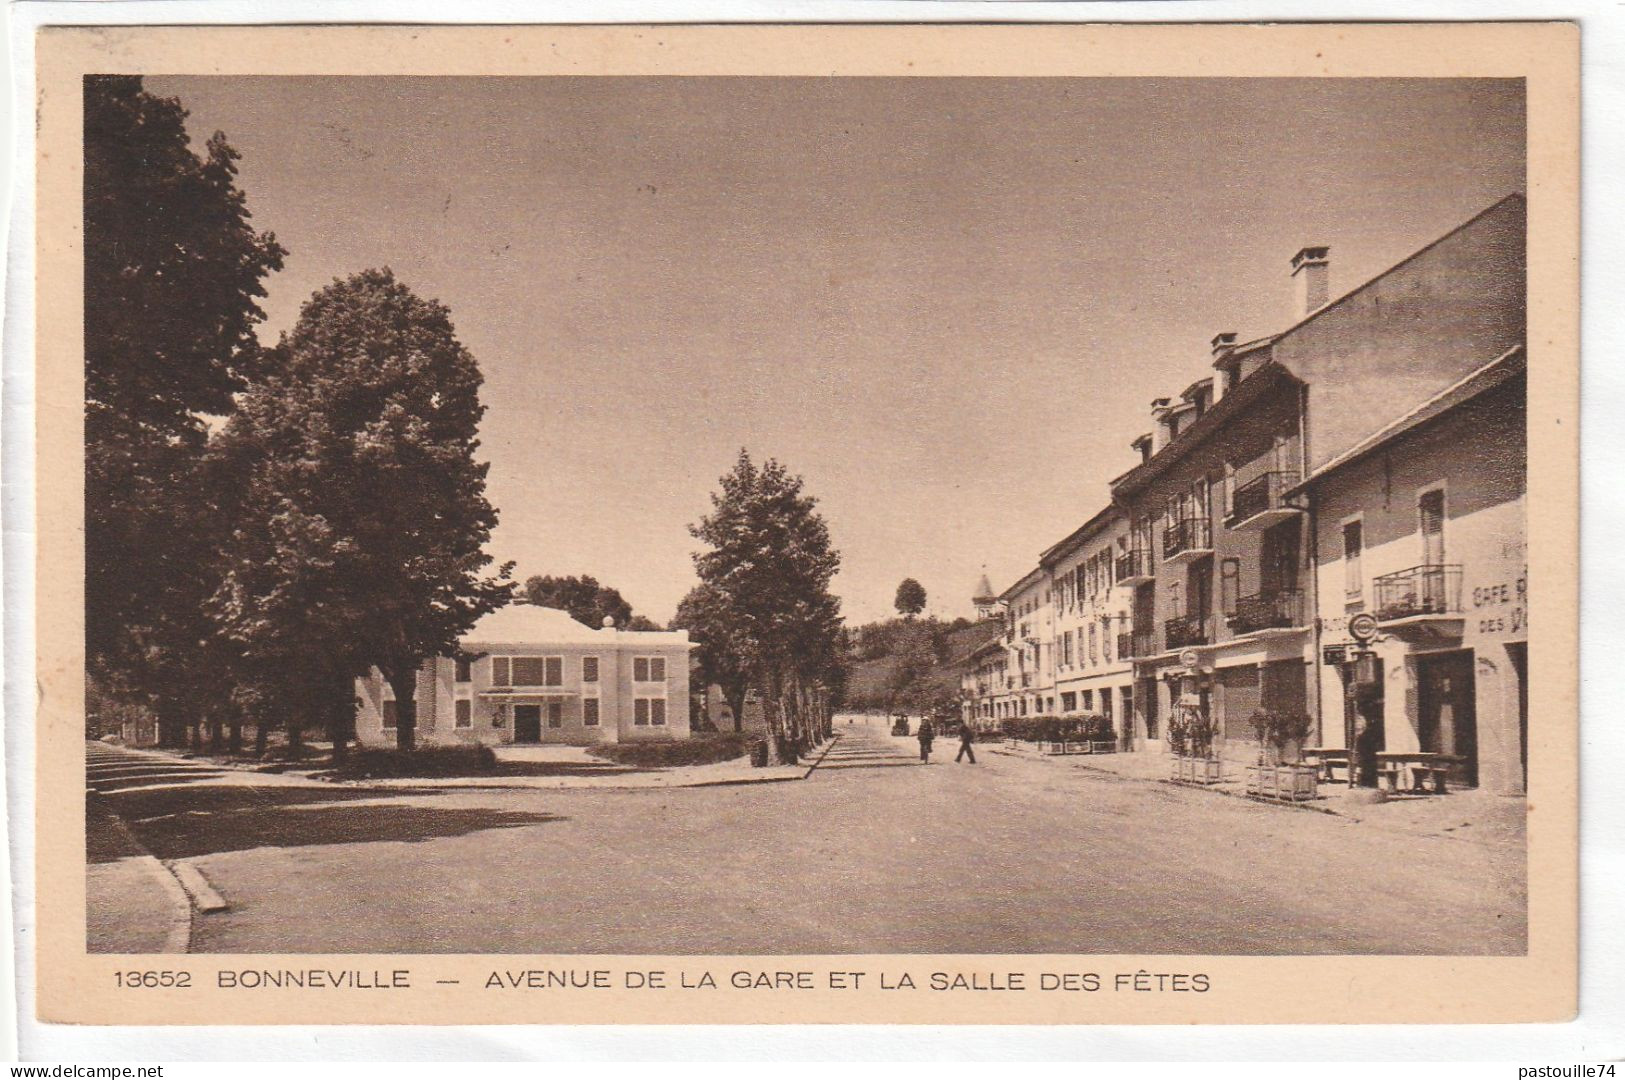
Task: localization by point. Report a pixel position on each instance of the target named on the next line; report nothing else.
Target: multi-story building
(1029, 642)
(528, 674)
(1221, 625)
(1369, 458)
(1091, 620)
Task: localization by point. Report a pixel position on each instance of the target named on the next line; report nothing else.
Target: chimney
(1222, 345)
(1160, 417)
(1143, 445)
(1311, 276)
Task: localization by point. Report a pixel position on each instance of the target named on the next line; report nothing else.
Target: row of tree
(262, 524)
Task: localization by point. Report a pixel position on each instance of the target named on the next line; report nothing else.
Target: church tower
(986, 601)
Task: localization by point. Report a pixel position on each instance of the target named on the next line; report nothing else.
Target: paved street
(873, 853)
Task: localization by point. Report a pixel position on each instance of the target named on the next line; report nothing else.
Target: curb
(178, 937)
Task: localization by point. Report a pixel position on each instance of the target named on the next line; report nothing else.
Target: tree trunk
(234, 744)
(404, 681)
(217, 736)
(296, 738)
(736, 705)
(262, 737)
(195, 736)
(338, 706)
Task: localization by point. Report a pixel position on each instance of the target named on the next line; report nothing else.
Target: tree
(910, 597)
(362, 544)
(724, 656)
(771, 560)
(173, 272)
(583, 598)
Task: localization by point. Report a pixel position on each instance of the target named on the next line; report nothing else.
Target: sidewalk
(599, 774)
(132, 903)
(1464, 814)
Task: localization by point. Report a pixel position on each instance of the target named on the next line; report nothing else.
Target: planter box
(1289, 783)
(1052, 747)
(1106, 747)
(1194, 770)
(1077, 747)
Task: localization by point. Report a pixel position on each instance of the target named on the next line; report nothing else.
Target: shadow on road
(184, 823)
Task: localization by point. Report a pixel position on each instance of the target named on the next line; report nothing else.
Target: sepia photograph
(615, 515)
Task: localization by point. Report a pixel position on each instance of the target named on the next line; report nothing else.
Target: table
(1327, 757)
(1416, 766)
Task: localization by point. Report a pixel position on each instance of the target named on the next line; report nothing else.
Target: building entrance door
(1447, 722)
(527, 723)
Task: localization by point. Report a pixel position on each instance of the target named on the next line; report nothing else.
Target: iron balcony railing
(1260, 495)
(1268, 610)
(1134, 564)
(1191, 534)
(1187, 630)
(1421, 590)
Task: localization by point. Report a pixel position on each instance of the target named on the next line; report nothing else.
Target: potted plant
(1280, 737)
(1190, 737)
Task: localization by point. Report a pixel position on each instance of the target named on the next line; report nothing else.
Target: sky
(945, 303)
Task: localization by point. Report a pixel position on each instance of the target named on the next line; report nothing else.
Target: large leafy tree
(723, 654)
(363, 541)
(583, 597)
(910, 598)
(770, 558)
(173, 274)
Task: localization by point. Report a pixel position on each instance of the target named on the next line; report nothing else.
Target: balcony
(1420, 592)
(1187, 630)
(1278, 609)
(1258, 504)
(1186, 540)
(1134, 568)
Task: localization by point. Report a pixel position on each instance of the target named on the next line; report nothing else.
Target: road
(874, 853)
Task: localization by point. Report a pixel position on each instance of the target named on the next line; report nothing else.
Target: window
(589, 712)
(555, 714)
(1069, 701)
(1229, 585)
(527, 671)
(389, 713)
(646, 669)
(1092, 652)
(1430, 509)
(589, 669)
(649, 711)
(1088, 701)
(1353, 545)
(1106, 640)
(1106, 704)
(465, 713)
(464, 669)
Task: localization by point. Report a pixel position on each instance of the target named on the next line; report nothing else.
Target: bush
(704, 749)
(367, 764)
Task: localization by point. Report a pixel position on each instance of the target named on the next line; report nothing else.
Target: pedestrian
(926, 735)
(967, 736)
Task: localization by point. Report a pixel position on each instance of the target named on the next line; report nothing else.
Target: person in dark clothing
(926, 736)
(967, 739)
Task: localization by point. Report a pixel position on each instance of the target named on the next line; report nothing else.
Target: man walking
(967, 737)
(926, 735)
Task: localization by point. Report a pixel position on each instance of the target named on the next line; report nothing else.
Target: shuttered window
(1242, 697)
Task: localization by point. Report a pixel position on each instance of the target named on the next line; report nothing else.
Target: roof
(1229, 356)
(1507, 366)
(984, 590)
(529, 624)
(1270, 376)
(1075, 538)
(1031, 577)
(1515, 197)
